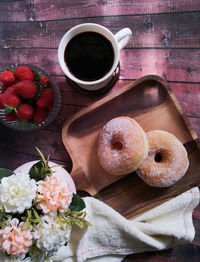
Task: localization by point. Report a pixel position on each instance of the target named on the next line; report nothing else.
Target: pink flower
(15, 239)
(53, 194)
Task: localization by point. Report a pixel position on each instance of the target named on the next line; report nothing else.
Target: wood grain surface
(166, 42)
(31, 10)
(152, 30)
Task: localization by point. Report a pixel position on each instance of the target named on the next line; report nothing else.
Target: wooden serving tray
(151, 103)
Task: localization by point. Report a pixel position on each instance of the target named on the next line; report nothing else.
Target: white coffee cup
(118, 41)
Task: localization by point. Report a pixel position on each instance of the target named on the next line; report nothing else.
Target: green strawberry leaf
(77, 203)
(10, 69)
(25, 122)
(37, 75)
(9, 109)
(4, 172)
(40, 88)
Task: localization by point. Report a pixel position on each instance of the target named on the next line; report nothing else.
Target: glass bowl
(50, 116)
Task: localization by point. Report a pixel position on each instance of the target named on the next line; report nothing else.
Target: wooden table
(165, 42)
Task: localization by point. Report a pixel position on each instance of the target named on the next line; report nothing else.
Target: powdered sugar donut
(122, 146)
(167, 160)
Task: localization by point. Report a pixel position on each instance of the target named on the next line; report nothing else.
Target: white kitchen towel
(111, 237)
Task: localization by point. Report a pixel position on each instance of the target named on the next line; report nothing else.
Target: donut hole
(158, 157)
(116, 145)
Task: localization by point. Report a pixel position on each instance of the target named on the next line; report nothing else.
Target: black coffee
(89, 56)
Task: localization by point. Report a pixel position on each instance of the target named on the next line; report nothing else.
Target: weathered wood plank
(11, 160)
(173, 65)
(188, 96)
(48, 10)
(158, 30)
(195, 123)
(24, 143)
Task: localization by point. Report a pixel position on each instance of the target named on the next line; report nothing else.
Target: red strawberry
(6, 98)
(39, 115)
(10, 100)
(10, 90)
(44, 80)
(24, 73)
(46, 98)
(49, 107)
(7, 77)
(11, 116)
(26, 89)
(24, 112)
(1, 106)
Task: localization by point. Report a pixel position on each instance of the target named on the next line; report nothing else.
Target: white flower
(51, 234)
(17, 192)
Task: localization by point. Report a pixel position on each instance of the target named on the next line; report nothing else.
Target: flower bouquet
(37, 212)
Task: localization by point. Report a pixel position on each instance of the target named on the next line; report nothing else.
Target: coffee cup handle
(123, 37)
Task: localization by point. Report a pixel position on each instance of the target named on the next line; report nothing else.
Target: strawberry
(11, 116)
(44, 80)
(1, 106)
(7, 77)
(46, 98)
(39, 115)
(9, 98)
(10, 90)
(49, 107)
(24, 73)
(26, 89)
(24, 112)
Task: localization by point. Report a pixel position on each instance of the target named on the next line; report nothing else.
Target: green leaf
(77, 203)
(9, 109)
(79, 223)
(4, 172)
(36, 171)
(76, 214)
(36, 254)
(41, 169)
(35, 213)
(40, 88)
(37, 75)
(41, 155)
(25, 122)
(31, 216)
(71, 218)
(10, 69)
(34, 250)
(4, 218)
